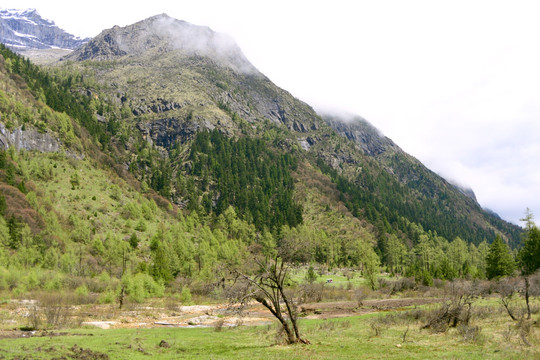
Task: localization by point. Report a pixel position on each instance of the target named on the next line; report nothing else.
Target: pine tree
(499, 260)
(15, 235)
(529, 255)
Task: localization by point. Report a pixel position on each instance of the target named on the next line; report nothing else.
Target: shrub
(185, 295)
(32, 281)
(82, 290)
(55, 309)
(332, 325)
(54, 283)
(455, 309)
(141, 226)
(311, 275)
(218, 326)
(141, 286)
(378, 325)
(311, 292)
(107, 297)
(3, 282)
(470, 334)
(360, 295)
(403, 284)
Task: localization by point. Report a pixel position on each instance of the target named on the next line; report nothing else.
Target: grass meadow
(381, 335)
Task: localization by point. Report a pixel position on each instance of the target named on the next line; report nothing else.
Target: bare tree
(507, 289)
(267, 287)
(455, 309)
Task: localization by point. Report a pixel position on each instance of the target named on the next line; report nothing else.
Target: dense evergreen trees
(247, 174)
(499, 260)
(385, 202)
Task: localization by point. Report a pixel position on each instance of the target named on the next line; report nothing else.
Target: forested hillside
(174, 187)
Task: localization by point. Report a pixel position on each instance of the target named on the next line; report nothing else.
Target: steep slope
(26, 29)
(174, 79)
(440, 196)
(70, 217)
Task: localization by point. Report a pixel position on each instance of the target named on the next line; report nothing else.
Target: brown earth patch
(110, 317)
(349, 308)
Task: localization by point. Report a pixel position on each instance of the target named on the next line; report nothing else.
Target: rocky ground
(17, 316)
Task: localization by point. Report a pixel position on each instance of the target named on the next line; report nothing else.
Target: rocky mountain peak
(26, 29)
(162, 33)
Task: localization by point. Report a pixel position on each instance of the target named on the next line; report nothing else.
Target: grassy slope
(101, 199)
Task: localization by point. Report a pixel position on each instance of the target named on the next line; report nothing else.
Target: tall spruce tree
(529, 255)
(499, 260)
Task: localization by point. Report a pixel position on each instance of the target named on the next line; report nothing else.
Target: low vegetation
(456, 319)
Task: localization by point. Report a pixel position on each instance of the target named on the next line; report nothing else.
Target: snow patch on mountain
(26, 30)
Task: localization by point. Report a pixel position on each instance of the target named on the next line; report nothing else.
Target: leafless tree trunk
(267, 287)
(527, 286)
(507, 289)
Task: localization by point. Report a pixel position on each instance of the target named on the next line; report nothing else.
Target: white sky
(454, 83)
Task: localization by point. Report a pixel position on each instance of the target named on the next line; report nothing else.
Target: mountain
(26, 30)
(178, 79)
(164, 34)
(157, 149)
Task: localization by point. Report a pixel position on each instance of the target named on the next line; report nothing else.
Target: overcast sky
(454, 83)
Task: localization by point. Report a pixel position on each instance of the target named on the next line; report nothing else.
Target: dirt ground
(110, 317)
(327, 310)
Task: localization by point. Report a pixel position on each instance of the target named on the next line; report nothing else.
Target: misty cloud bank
(165, 33)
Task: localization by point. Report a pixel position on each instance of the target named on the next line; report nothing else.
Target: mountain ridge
(215, 94)
(26, 29)
(164, 33)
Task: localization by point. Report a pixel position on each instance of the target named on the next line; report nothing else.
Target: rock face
(162, 33)
(26, 29)
(370, 140)
(165, 132)
(29, 139)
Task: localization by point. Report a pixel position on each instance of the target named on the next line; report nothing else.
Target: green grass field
(344, 338)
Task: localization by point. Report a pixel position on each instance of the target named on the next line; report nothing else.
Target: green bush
(141, 286)
(3, 276)
(54, 283)
(311, 275)
(185, 295)
(107, 297)
(32, 281)
(82, 290)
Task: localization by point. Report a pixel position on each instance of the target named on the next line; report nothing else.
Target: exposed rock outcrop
(365, 135)
(29, 139)
(166, 132)
(162, 33)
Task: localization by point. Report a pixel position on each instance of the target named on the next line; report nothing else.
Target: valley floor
(379, 329)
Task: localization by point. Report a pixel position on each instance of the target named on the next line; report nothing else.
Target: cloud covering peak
(164, 33)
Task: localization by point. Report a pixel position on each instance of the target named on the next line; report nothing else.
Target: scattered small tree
(311, 275)
(507, 289)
